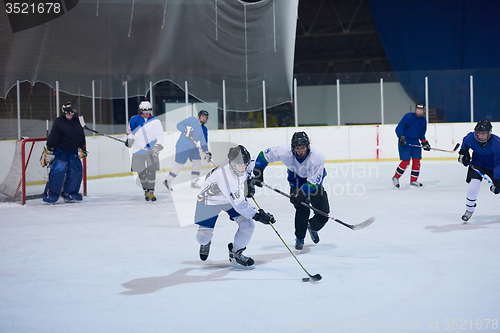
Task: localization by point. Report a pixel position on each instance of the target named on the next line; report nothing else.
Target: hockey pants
(146, 166)
(318, 199)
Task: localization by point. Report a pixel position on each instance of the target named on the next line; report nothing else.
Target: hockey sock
(204, 235)
(415, 169)
(401, 168)
(244, 233)
(195, 172)
(174, 171)
(472, 192)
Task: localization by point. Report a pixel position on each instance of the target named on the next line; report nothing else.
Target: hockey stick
(316, 277)
(361, 225)
(82, 122)
(446, 151)
(473, 167)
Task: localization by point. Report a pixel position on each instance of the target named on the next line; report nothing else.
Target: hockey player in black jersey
(65, 139)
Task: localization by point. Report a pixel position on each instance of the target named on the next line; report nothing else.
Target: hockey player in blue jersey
(485, 159)
(411, 132)
(145, 137)
(61, 153)
(193, 131)
(305, 171)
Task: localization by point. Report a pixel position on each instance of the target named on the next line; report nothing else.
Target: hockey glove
(426, 145)
(47, 157)
(155, 151)
(188, 132)
(82, 153)
(264, 217)
(129, 143)
(464, 157)
(495, 188)
(250, 188)
(300, 197)
(208, 157)
(259, 176)
(402, 140)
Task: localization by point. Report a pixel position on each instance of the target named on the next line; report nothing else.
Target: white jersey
(146, 134)
(312, 168)
(223, 186)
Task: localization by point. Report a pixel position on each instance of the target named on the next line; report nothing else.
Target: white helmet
(145, 107)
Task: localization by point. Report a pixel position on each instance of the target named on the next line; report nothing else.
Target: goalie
(62, 155)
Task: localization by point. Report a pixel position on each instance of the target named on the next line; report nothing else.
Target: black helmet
(420, 106)
(203, 113)
(239, 158)
(300, 139)
(483, 126)
(69, 108)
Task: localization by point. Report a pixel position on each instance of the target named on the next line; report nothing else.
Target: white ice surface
(115, 263)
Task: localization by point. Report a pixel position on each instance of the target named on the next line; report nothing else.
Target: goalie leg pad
(74, 177)
(56, 180)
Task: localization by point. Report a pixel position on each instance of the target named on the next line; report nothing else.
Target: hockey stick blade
(314, 278)
(361, 225)
(316, 210)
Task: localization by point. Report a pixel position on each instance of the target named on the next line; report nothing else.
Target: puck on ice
(305, 279)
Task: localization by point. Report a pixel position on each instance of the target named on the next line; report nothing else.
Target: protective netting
(210, 44)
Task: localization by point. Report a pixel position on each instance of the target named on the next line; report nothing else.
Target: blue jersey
(488, 156)
(412, 127)
(199, 134)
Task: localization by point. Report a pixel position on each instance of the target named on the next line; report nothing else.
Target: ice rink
(115, 263)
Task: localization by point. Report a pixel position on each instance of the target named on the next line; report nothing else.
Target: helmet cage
(146, 108)
(300, 139)
(239, 158)
(483, 126)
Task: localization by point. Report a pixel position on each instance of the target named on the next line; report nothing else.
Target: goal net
(26, 178)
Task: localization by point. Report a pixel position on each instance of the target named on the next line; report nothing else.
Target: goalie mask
(239, 158)
(146, 108)
(482, 131)
(69, 108)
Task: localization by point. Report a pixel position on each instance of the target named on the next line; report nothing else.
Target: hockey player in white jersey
(223, 190)
(306, 171)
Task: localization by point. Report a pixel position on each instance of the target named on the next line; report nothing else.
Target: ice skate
(195, 184)
(168, 185)
(204, 251)
(238, 260)
(466, 217)
(416, 184)
(299, 244)
(314, 234)
(67, 198)
(149, 195)
(395, 181)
